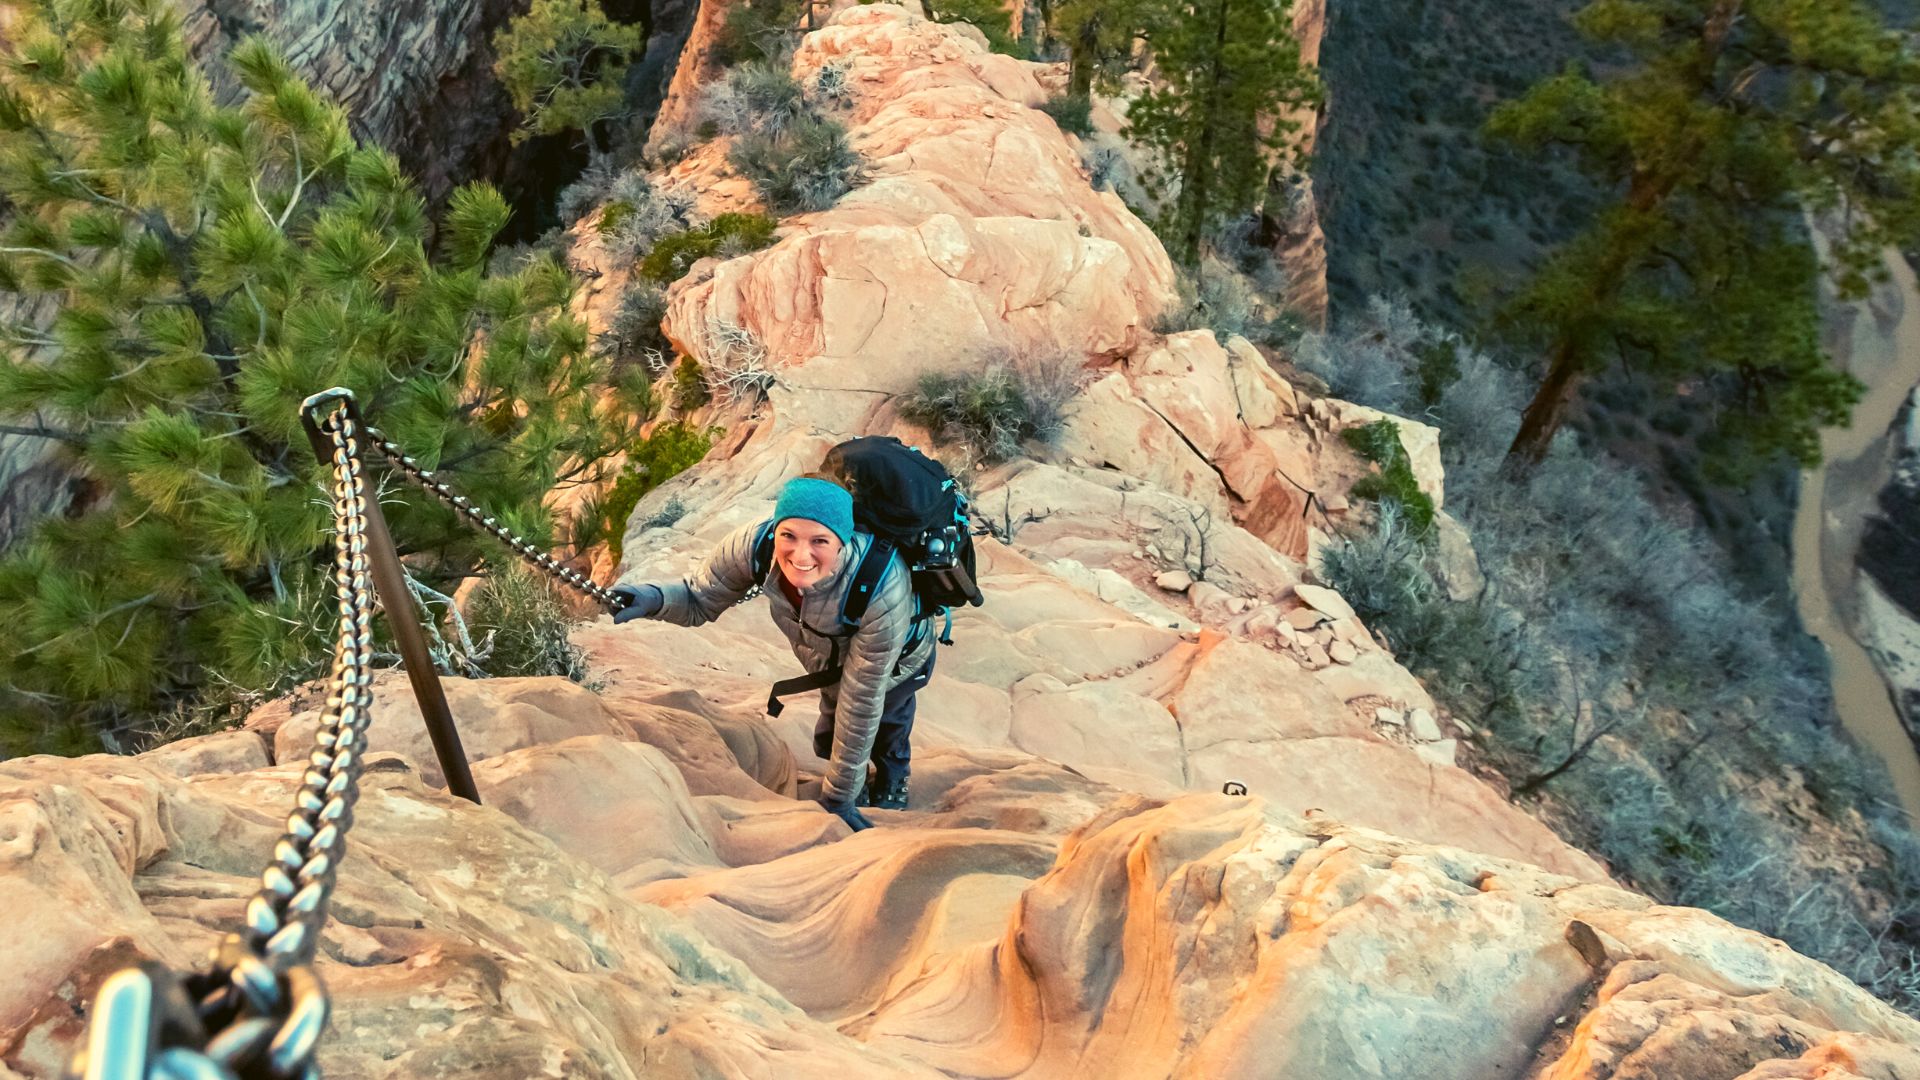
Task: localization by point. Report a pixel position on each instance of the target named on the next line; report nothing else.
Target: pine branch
(43, 253)
(43, 432)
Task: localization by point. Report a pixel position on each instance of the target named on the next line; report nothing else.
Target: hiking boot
(891, 797)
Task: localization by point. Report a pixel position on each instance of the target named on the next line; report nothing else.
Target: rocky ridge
(1070, 893)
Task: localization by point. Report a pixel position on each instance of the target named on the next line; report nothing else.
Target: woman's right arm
(714, 586)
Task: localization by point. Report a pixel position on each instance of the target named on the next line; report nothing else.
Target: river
(1878, 340)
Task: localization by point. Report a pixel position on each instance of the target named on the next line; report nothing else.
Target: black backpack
(913, 507)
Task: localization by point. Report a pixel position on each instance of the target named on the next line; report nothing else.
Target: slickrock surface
(602, 916)
(977, 231)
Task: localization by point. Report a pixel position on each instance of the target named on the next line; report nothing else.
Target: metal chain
(533, 556)
(259, 1010)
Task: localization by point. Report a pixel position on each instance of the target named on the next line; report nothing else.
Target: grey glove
(848, 813)
(636, 602)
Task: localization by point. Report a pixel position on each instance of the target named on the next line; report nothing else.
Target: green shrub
(672, 256)
(756, 30)
(520, 627)
(611, 216)
(987, 16)
(1072, 112)
(1436, 365)
(807, 166)
(996, 409)
(205, 268)
(689, 385)
(1379, 442)
(670, 450)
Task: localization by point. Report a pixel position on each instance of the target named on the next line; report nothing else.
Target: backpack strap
(873, 567)
(763, 552)
(801, 684)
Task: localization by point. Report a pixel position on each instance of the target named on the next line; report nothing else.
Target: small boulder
(1425, 727)
(1389, 717)
(1316, 656)
(1324, 600)
(1174, 580)
(1439, 753)
(1304, 618)
(1209, 597)
(1342, 652)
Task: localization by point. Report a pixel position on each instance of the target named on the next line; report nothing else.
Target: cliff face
(1889, 574)
(1291, 209)
(416, 79)
(647, 889)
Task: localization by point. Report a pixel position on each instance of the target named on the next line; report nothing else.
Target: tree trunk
(1547, 409)
(1647, 194)
(1195, 179)
(1080, 67)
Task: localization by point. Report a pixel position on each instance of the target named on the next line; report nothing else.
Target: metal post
(391, 583)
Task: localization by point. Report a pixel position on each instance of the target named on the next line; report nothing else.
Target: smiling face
(807, 552)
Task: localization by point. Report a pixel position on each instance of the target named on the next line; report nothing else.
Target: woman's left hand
(848, 813)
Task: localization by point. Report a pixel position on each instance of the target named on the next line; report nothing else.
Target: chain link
(533, 556)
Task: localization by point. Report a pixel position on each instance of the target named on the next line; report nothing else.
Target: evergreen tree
(1100, 37)
(564, 63)
(208, 268)
(1230, 69)
(1732, 121)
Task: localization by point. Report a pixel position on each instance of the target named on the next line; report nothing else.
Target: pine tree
(1231, 69)
(210, 268)
(1100, 37)
(1733, 121)
(564, 63)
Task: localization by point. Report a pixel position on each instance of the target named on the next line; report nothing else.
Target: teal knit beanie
(817, 500)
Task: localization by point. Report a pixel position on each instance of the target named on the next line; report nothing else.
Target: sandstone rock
(1115, 589)
(221, 752)
(1374, 673)
(1305, 618)
(1390, 717)
(493, 716)
(1177, 581)
(976, 220)
(1421, 441)
(1341, 652)
(1317, 655)
(1101, 730)
(1423, 725)
(461, 944)
(1441, 752)
(1266, 398)
(1454, 561)
(1209, 598)
(1323, 600)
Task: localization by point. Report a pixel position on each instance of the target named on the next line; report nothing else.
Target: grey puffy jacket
(873, 660)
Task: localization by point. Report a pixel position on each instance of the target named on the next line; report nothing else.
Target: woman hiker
(867, 714)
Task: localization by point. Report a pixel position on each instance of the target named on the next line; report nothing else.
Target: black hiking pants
(891, 749)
